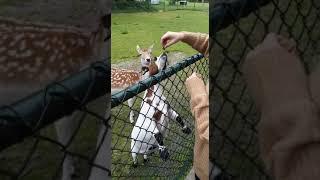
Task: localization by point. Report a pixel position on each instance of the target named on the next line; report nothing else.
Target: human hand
(193, 75)
(274, 73)
(195, 84)
(170, 38)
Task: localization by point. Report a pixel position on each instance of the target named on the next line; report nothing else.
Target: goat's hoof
(152, 148)
(145, 160)
(134, 165)
(164, 154)
(186, 130)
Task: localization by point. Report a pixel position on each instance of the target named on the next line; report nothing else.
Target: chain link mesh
(179, 144)
(29, 146)
(237, 27)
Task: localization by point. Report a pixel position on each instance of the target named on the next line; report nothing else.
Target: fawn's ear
(150, 48)
(139, 49)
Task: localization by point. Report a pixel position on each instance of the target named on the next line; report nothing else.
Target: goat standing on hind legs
(146, 59)
(153, 120)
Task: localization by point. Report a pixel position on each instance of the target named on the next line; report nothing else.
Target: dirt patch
(134, 63)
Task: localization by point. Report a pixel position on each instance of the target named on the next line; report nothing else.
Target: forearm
(200, 110)
(199, 106)
(198, 41)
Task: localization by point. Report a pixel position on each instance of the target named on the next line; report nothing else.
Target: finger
(283, 41)
(198, 75)
(271, 39)
(163, 40)
(164, 37)
(288, 44)
(292, 46)
(169, 43)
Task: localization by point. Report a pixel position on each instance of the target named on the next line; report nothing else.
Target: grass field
(145, 28)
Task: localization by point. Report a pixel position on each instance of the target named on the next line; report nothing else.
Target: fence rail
(235, 28)
(59, 99)
(178, 143)
(122, 96)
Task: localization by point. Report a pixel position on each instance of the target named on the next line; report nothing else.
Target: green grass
(145, 28)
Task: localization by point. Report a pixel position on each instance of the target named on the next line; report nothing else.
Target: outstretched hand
(170, 38)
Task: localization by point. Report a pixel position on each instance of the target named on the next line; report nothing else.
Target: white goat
(153, 120)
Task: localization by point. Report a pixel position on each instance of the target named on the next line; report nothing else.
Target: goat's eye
(155, 58)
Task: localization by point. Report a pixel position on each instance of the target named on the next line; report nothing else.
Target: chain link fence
(237, 27)
(29, 148)
(178, 142)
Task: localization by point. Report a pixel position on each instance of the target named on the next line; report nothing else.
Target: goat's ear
(139, 49)
(150, 48)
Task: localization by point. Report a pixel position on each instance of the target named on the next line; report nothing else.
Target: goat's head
(160, 63)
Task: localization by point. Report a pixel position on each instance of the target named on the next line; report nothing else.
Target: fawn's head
(145, 56)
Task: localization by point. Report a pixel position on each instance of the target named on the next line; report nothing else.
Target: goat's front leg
(65, 128)
(174, 115)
